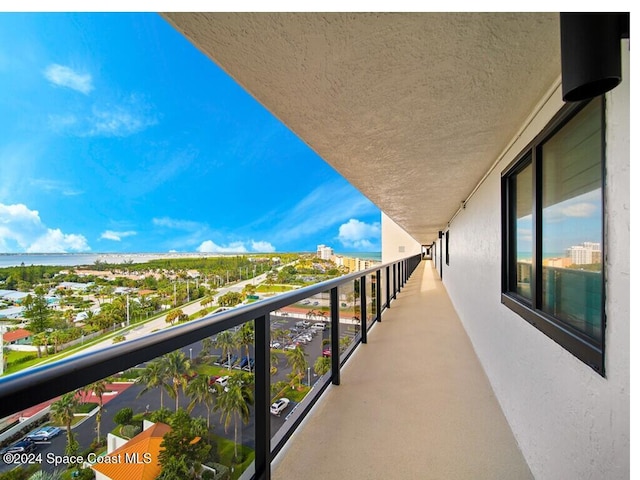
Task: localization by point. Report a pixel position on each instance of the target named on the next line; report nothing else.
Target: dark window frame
(446, 242)
(584, 348)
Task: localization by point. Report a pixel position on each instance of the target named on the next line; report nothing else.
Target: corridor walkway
(414, 403)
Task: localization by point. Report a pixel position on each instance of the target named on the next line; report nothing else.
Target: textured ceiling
(411, 108)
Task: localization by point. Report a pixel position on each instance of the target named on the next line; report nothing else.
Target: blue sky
(117, 135)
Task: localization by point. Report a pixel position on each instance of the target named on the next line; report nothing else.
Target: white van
(318, 326)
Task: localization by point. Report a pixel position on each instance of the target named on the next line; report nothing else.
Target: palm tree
(245, 338)
(178, 367)
(227, 343)
(234, 403)
(274, 360)
(297, 360)
(200, 391)
(63, 411)
(207, 345)
(99, 388)
(322, 365)
(154, 376)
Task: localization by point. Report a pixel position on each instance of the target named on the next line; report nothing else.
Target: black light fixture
(590, 53)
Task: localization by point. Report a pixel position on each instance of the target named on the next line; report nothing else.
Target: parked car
(275, 345)
(318, 326)
(278, 406)
(25, 445)
(249, 366)
(326, 352)
(44, 434)
(222, 381)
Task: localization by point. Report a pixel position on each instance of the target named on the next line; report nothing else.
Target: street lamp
(309, 376)
(190, 354)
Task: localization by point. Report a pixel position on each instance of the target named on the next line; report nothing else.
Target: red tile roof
(146, 442)
(14, 335)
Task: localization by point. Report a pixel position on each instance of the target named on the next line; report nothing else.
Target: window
(553, 232)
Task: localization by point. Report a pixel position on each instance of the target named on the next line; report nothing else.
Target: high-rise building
(324, 252)
(587, 253)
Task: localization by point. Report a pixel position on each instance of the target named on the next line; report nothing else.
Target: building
(324, 253)
(19, 336)
(587, 253)
(434, 137)
(141, 452)
(445, 121)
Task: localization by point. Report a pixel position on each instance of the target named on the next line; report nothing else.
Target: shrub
(130, 431)
(123, 416)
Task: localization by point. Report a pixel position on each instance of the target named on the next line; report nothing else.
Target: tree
(37, 312)
(154, 376)
(322, 365)
(63, 411)
(234, 403)
(244, 338)
(99, 388)
(207, 345)
(178, 367)
(185, 447)
(297, 360)
(227, 343)
(200, 391)
(230, 299)
(174, 315)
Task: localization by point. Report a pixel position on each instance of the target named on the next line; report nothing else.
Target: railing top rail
(42, 383)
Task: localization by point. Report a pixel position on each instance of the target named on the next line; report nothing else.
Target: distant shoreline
(77, 259)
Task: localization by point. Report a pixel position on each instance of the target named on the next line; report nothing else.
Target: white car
(278, 406)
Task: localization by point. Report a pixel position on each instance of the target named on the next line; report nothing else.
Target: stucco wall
(396, 243)
(570, 422)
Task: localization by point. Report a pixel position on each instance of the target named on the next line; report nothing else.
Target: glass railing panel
(370, 288)
(349, 318)
(187, 400)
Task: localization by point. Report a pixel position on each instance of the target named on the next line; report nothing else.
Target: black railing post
(335, 337)
(395, 286)
(262, 398)
(363, 308)
(388, 288)
(378, 296)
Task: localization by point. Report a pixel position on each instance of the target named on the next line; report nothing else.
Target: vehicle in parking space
(44, 434)
(303, 324)
(25, 445)
(326, 352)
(279, 406)
(244, 362)
(275, 345)
(223, 381)
(301, 340)
(318, 326)
(249, 366)
(291, 346)
(230, 362)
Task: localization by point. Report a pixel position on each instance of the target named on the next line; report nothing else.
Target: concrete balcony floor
(414, 403)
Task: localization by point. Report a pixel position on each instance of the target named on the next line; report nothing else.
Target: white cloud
(66, 77)
(55, 186)
(582, 210)
(210, 247)
(116, 236)
(22, 230)
(187, 225)
(118, 121)
(54, 241)
(358, 234)
(262, 247)
(314, 213)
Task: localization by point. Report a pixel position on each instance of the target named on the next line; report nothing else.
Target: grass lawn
(264, 288)
(225, 449)
(214, 370)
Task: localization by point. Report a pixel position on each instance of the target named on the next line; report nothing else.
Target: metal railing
(33, 386)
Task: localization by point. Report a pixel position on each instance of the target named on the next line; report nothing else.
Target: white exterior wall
(570, 422)
(396, 243)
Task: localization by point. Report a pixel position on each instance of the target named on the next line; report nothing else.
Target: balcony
(413, 403)
(409, 385)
